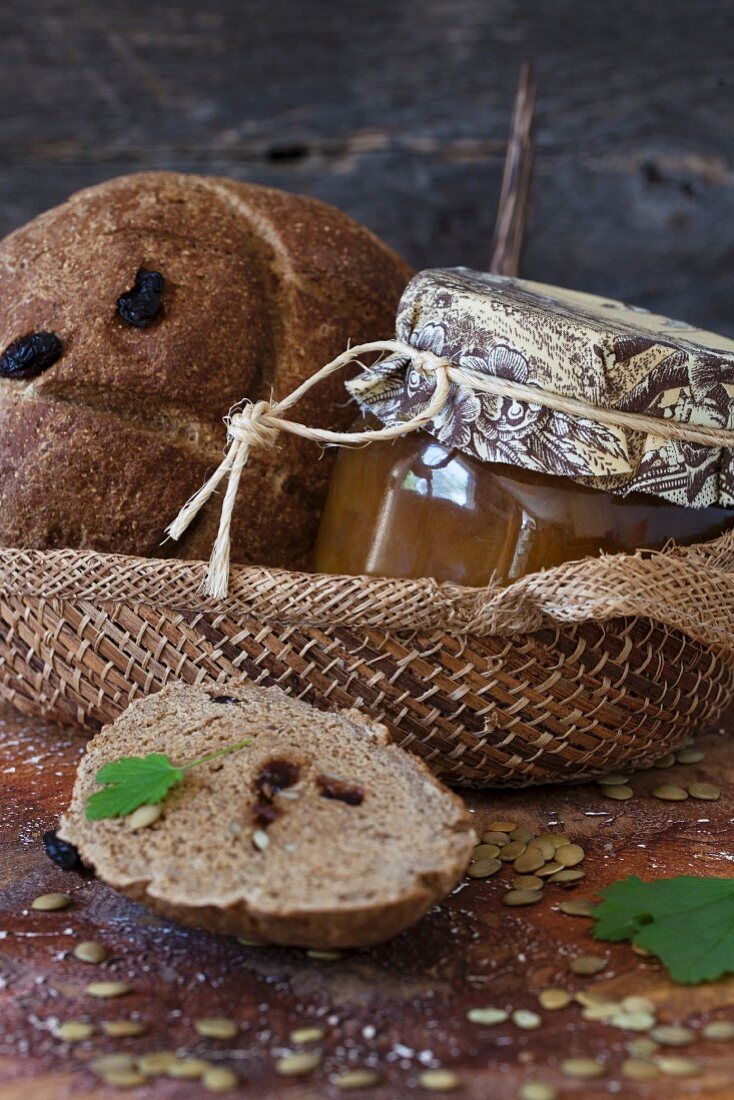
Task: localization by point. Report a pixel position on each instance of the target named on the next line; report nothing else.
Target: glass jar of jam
(415, 508)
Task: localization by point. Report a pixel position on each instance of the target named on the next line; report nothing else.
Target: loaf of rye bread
(360, 838)
(102, 448)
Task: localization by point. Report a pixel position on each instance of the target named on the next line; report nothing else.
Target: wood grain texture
(398, 112)
(414, 992)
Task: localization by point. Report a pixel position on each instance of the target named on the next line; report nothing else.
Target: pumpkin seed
(614, 779)
(637, 1069)
(642, 1047)
(707, 792)
(553, 999)
(568, 874)
(588, 964)
(500, 839)
(512, 850)
(107, 1063)
(219, 1079)
(619, 792)
(527, 882)
(357, 1079)
(108, 989)
(143, 817)
(89, 951)
(537, 1090)
(529, 861)
(666, 761)
(216, 1027)
(632, 1021)
(671, 1035)
(74, 1031)
(669, 792)
(522, 897)
(570, 854)
(297, 1065)
(522, 834)
(545, 846)
(260, 839)
(188, 1069)
(556, 839)
(678, 1067)
(156, 1062)
(636, 1003)
(689, 756)
(483, 868)
(525, 1019)
(487, 1016)
(331, 956)
(486, 851)
(438, 1080)
(251, 943)
(48, 903)
(123, 1029)
(502, 826)
(578, 907)
(549, 869)
(307, 1035)
(719, 1029)
(123, 1078)
(582, 1069)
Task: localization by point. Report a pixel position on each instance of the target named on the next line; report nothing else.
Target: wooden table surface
(399, 1008)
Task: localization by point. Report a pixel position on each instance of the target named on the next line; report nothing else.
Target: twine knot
(248, 425)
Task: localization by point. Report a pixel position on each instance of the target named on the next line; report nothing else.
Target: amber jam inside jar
(413, 508)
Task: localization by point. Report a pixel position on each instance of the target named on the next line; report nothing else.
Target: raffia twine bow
(257, 425)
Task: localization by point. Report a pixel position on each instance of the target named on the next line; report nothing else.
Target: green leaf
(131, 782)
(687, 922)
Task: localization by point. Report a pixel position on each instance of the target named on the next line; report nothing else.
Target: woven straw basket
(592, 666)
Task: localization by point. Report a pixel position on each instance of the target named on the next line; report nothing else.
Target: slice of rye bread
(332, 874)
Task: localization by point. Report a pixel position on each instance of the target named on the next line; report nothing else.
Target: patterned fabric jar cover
(577, 345)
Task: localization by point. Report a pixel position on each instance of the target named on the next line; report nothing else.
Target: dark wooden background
(397, 110)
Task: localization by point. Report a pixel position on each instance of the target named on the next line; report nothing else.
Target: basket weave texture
(585, 668)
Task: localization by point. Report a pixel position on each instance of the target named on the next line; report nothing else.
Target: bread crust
(332, 875)
(261, 288)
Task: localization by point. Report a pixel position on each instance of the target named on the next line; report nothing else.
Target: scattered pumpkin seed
(529, 861)
(107, 1063)
(549, 869)
(438, 1080)
(557, 839)
(188, 1069)
(678, 1067)
(216, 1027)
(568, 874)
(637, 1069)
(689, 756)
(543, 845)
(156, 1062)
(123, 1029)
(307, 1034)
(486, 851)
(522, 834)
(297, 1065)
(330, 956)
(643, 952)
(525, 1019)
(89, 951)
(143, 817)
(719, 1029)
(602, 1011)
(219, 1079)
(483, 868)
(619, 792)
(707, 792)
(582, 1069)
(502, 826)
(74, 1031)
(569, 855)
(588, 964)
(123, 1078)
(670, 1035)
(108, 989)
(512, 850)
(636, 1003)
(357, 1079)
(670, 792)
(487, 1016)
(260, 839)
(554, 998)
(48, 903)
(632, 1021)
(500, 839)
(614, 779)
(522, 897)
(578, 907)
(537, 1090)
(527, 882)
(666, 761)
(642, 1047)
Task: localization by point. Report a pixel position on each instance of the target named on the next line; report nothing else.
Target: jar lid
(607, 354)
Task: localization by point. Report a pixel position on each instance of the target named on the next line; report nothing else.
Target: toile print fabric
(609, 354)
